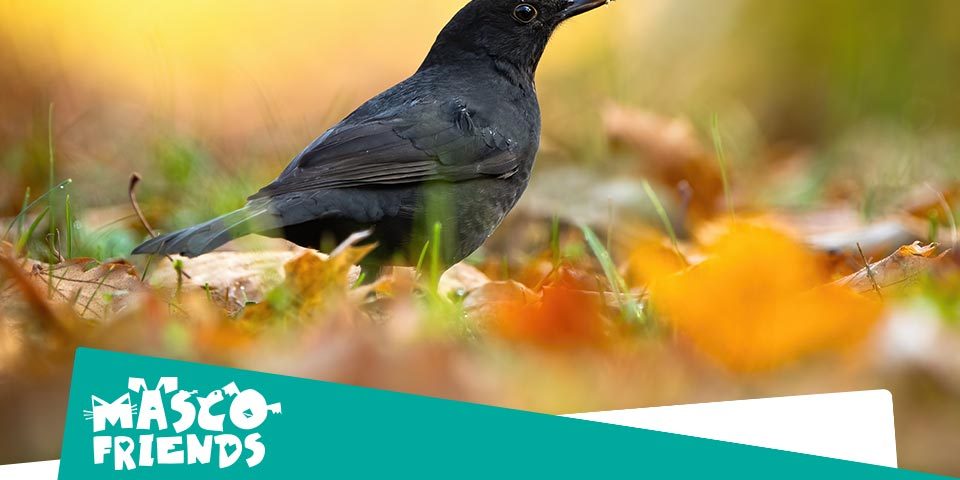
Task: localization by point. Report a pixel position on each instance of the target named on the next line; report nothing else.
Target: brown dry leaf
(673, 139)
(896, 270)
(486, 301)
(21, 289)
(312, 282)
(461, 279)
(214, 334)
(757, 302)
(312, 275)
(458, 280)
(392, 282)
(95, 291)
(233, 279)
(676, 154)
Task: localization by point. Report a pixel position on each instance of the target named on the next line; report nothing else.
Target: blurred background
(173, 88)
(839, 118)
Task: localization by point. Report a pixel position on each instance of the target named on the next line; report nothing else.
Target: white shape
(31, 471)
(855, 426)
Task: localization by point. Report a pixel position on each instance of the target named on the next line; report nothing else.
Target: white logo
(136, 437)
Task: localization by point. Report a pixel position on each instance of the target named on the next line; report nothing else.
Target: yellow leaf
(312, 274)
(759, 302)
(651, 259)
(312, 283)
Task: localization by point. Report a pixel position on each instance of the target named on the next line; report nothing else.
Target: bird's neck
(453, 55)
(520, 76)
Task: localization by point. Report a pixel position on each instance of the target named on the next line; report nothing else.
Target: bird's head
(512, 32)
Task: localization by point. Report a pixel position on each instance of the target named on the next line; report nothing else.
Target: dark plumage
(455, 144)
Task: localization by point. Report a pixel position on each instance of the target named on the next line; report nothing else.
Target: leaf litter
(745, 296)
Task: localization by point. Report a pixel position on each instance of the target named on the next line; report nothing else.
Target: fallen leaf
(94, 290)
(487, 301)
(563, 315)
(461, 279)
(312, 275)
(758, 301)
(312, 283)
(234, 279)
(900, 268)
(22, 289)
(674, 151)
(652, 257)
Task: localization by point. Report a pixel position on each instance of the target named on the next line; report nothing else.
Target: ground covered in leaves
(732, 200)
(738, 304)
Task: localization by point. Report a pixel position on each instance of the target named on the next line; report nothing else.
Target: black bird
(453, 146)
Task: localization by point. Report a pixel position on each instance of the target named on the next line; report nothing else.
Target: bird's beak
(576, 7)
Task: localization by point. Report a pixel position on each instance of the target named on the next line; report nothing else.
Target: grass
(722, 160)
(51, 150)
(629, 308)
(68, 216)
(186, 183)
(23, 212)
(869, 268)
(423, 257)
(664, 219)
(19, 221)
(555, 251)
(951, 217)
(436, 269)
(26, 236)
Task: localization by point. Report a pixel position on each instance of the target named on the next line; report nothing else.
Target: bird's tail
(203, 238)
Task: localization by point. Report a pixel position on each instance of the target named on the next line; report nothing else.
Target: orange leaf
(757, 302)
(564, 314)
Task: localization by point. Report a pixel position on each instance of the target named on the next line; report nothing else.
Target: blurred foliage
(841, 127)
(248, 84)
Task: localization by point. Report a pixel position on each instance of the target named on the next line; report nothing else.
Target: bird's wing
(428, 142)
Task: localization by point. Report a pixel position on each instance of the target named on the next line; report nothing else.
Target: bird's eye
(525, 13)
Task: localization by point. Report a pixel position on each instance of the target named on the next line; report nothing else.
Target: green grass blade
(52, 174)
(68, 214)
(360, 279)
(664, 218)
(22, 243)
(435, 256)
(23, 207)
(39, 199)
(722, 159)
(423, 257)
(555, 241)
(629, 308)
(50, 147)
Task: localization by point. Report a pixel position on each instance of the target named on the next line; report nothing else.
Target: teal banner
(137, 417)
